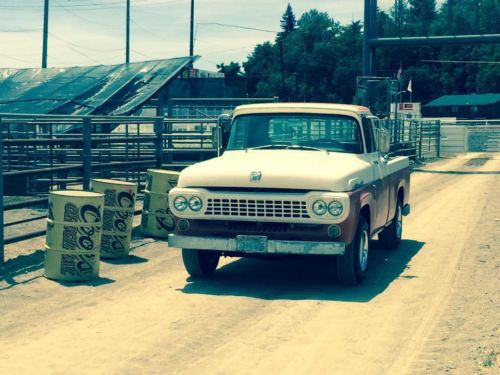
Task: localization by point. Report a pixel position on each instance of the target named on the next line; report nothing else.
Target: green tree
(323, 58)
(288, 23)
(422, 14)
(230, 71)
(262, 71)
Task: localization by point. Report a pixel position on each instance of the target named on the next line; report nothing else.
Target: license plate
(252, 244)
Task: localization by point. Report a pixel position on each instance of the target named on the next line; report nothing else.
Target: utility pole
(191, 33)
(283, 88)
(367, 50)
(127, 41)
(45, 33)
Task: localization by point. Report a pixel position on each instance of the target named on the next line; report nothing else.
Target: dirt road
(430, 307)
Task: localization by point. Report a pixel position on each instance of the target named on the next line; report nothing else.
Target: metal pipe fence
(45, 152)
(416, 139)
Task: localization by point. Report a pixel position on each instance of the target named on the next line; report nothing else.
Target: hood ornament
(255, 176)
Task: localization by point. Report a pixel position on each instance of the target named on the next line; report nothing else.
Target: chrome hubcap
(399, 221)
(363, 251)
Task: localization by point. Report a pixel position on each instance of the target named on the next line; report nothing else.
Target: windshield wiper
(297, 147)
(268, 147)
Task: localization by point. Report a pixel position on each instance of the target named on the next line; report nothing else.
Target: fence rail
(416, 139)
(45, 152)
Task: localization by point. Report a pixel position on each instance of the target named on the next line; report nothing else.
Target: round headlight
(335, 208)
(180, 203)
(195, 203)
(319, 208)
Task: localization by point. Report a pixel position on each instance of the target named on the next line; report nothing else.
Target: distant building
(464, 107)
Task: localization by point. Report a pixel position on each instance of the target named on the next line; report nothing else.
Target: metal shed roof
(103, 89)
(464, 100)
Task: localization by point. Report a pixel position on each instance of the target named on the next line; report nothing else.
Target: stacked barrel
(118, 216)
(157, 219)
(74, 225)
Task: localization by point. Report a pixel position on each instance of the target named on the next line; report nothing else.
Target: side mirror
(224, 126)
(384, 139)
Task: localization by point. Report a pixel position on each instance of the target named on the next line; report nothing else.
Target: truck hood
(280, 169)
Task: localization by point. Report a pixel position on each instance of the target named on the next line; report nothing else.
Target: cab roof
(301, 107)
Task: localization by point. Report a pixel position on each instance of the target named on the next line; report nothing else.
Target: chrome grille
(257, 208)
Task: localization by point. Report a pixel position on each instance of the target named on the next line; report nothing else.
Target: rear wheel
(352, 266)
(390, 237)
(200, 263)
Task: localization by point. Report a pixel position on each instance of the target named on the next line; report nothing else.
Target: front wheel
(200, 263)
(352, 266)
(390, 237)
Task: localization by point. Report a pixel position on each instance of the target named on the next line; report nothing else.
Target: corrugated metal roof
(104, 89)
(464, 100)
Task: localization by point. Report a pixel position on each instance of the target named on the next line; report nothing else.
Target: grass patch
(490, 360)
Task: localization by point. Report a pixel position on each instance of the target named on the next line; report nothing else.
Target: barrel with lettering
(74, 227)
(161, 180)
(118, 217)
(157, 219)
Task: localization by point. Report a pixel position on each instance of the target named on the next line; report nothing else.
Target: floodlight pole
(127, 33)
(45, 33)
(369, 27)
(191, 34)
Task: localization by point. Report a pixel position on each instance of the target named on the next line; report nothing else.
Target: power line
(460, 61)
(69, 45)
(88, 6)
(20, 30)
(16, 59)
(237, 27)
(143, 55)
(65, 8)
(86, 48)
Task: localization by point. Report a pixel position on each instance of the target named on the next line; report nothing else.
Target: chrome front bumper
(240, 244)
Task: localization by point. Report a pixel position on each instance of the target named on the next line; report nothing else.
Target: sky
(92, 32)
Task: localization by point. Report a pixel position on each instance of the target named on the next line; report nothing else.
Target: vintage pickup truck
(296, 178)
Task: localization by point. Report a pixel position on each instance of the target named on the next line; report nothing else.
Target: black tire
(390, 237)
(200, 263)
(352, 266)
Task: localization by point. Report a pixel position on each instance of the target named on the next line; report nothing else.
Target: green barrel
(161, 181)
(118, 217)
(74, 227)
(157, 219)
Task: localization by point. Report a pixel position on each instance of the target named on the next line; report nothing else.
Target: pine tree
(422, 14)
(288, 22)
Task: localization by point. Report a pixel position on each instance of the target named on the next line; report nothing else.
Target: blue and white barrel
(118, 217)
(74, 228)
(157, 219)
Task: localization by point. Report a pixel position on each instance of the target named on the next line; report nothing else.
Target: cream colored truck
(295, 179)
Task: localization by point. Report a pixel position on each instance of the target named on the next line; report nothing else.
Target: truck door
(380, 184)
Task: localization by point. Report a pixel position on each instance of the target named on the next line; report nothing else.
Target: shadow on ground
(21, 265)
(131, 259)
(455, 172)
(25, 264)
(94, 283)
(305, 278)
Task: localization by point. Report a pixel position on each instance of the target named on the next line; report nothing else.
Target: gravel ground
(430, 307)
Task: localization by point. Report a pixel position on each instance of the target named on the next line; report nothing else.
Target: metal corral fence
(483, 138)
(45, 152)
(470, 136)
(418, 140)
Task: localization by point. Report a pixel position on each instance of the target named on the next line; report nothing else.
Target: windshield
(296, 131)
